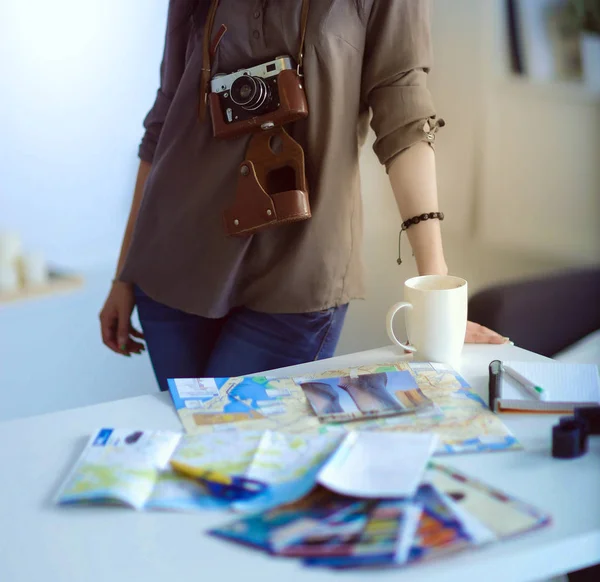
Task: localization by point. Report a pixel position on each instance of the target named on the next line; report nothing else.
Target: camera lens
(250, 93)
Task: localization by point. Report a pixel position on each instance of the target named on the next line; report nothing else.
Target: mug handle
(390, 330)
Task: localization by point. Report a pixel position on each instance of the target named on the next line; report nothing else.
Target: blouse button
(256, 34)
(430, 136)
(257, 14)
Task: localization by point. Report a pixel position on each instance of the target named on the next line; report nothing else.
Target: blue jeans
(182, 345)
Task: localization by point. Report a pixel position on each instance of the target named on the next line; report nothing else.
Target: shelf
(58, 283)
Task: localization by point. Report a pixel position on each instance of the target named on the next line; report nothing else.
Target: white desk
(41, 542)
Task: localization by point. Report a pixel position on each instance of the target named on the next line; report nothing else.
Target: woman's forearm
(142, 176)
(413, 179)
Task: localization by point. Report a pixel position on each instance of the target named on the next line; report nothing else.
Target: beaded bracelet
(415, 220)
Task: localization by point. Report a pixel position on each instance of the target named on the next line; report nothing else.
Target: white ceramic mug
(436, 317)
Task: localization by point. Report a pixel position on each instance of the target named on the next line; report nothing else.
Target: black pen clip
(495, 370)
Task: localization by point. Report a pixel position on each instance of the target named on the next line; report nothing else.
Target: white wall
(456, 80)
(540, 189)
(76, 80)
(539, 180)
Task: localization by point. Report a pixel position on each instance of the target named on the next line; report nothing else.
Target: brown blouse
(354, 64)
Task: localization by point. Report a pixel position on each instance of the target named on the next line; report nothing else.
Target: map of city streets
(458, 415)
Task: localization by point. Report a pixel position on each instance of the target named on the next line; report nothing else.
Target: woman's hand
(478, 334)
(115, 321)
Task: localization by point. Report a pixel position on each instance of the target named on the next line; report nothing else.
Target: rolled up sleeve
(179, 27)
(397, 60)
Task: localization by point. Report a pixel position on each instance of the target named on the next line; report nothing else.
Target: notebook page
(379, 464)
(562, 382)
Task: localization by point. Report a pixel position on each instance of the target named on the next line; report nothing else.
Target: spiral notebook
(566, 386)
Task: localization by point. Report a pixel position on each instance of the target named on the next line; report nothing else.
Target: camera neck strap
(209, 48)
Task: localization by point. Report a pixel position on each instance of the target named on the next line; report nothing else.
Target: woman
(216, 305)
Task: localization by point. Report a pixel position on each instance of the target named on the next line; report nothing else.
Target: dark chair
(543, 315)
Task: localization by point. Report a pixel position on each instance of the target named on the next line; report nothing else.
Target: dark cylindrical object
(567, 421)
(591, 415)
(566, 440)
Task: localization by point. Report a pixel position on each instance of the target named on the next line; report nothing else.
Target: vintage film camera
(257, 98)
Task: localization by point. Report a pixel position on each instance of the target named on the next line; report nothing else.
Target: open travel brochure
(169, 470)
(133, 468)
(448, 513)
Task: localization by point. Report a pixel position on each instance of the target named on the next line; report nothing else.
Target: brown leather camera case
(293, 106)
(258, 204)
